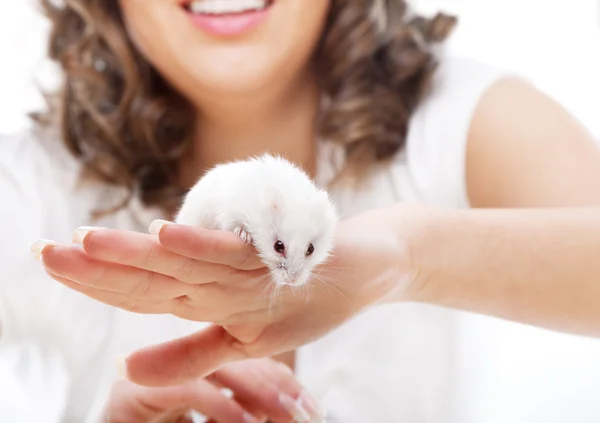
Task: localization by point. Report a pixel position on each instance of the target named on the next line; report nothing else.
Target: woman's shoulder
(439, 129)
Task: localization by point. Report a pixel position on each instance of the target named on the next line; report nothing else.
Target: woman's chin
(234, 81)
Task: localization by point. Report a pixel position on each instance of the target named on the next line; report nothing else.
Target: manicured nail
(38, 247)
(120, 362)
(295, 409)
(310, 404)
(249, 418)
(157, 225)
(81, 232)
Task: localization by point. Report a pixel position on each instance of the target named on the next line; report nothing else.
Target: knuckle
(233, 273)
(99, 275)
(214, 315)
(142, 287)
(190, 359)
(189, 309)
(236, 345)
(244, 260)
(194, 296)
(84, 289)
(185, 271)
(184, 301)
(147, 257)
(214, 248)
(128, 305)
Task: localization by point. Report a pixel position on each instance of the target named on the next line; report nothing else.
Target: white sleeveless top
(399, 363)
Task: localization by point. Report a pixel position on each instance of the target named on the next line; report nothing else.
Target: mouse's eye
(311, 249)
(279, 247)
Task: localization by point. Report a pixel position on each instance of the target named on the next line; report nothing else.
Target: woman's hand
(212, 276)
(262, 389)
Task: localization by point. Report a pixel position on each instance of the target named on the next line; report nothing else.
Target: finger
(177, 307)
(270, 385)
(204, 397)
(228, 299)
(177, 419)
(143, 251)
(252, 408)
(72, 263)
(211, 246)
(199, 395)
(114, 299)
(178, 361)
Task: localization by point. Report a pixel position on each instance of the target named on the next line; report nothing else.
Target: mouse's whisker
(327, 292)
(264, 280)
(338, 267)
(317, 281)
(330, 284)
(309, 292)
(304, 293)
(266, 283)
(275, 295)
(330, 281)
(339, 271)
(296, 290)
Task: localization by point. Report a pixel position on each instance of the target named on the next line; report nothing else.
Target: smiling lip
(229, 25)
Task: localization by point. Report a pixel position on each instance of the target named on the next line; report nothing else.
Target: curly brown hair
(130, 128)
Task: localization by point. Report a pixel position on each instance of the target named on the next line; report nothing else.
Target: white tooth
(226, 6)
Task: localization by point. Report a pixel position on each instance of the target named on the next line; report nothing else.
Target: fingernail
(249, 418)
(295, 409)
(310, 404)
(121, 363)
(38, 247)
(157, 225)
(81, 232)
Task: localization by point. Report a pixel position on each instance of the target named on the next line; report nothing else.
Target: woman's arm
(539, 267)
(525, 150)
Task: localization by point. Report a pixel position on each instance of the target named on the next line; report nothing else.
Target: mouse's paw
(243, 234)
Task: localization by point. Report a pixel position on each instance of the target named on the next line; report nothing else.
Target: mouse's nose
(281, 265)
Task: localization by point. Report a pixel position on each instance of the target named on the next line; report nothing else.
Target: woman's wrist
(453, 252)
(534, 266)
(421, 234)
(439, 242)
(389, 243)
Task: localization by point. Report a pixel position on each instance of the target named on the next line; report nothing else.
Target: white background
(556, 43)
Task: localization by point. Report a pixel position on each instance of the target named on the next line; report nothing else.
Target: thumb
(178, 361)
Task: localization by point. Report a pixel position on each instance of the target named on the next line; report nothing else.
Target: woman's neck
(284, 125)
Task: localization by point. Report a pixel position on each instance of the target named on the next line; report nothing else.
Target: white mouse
(271, 203)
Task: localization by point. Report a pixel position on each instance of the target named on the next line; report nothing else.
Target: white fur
(262, 200)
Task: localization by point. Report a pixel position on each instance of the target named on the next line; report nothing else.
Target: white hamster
(272, 203)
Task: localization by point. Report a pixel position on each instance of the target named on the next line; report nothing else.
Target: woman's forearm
(539, 267)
